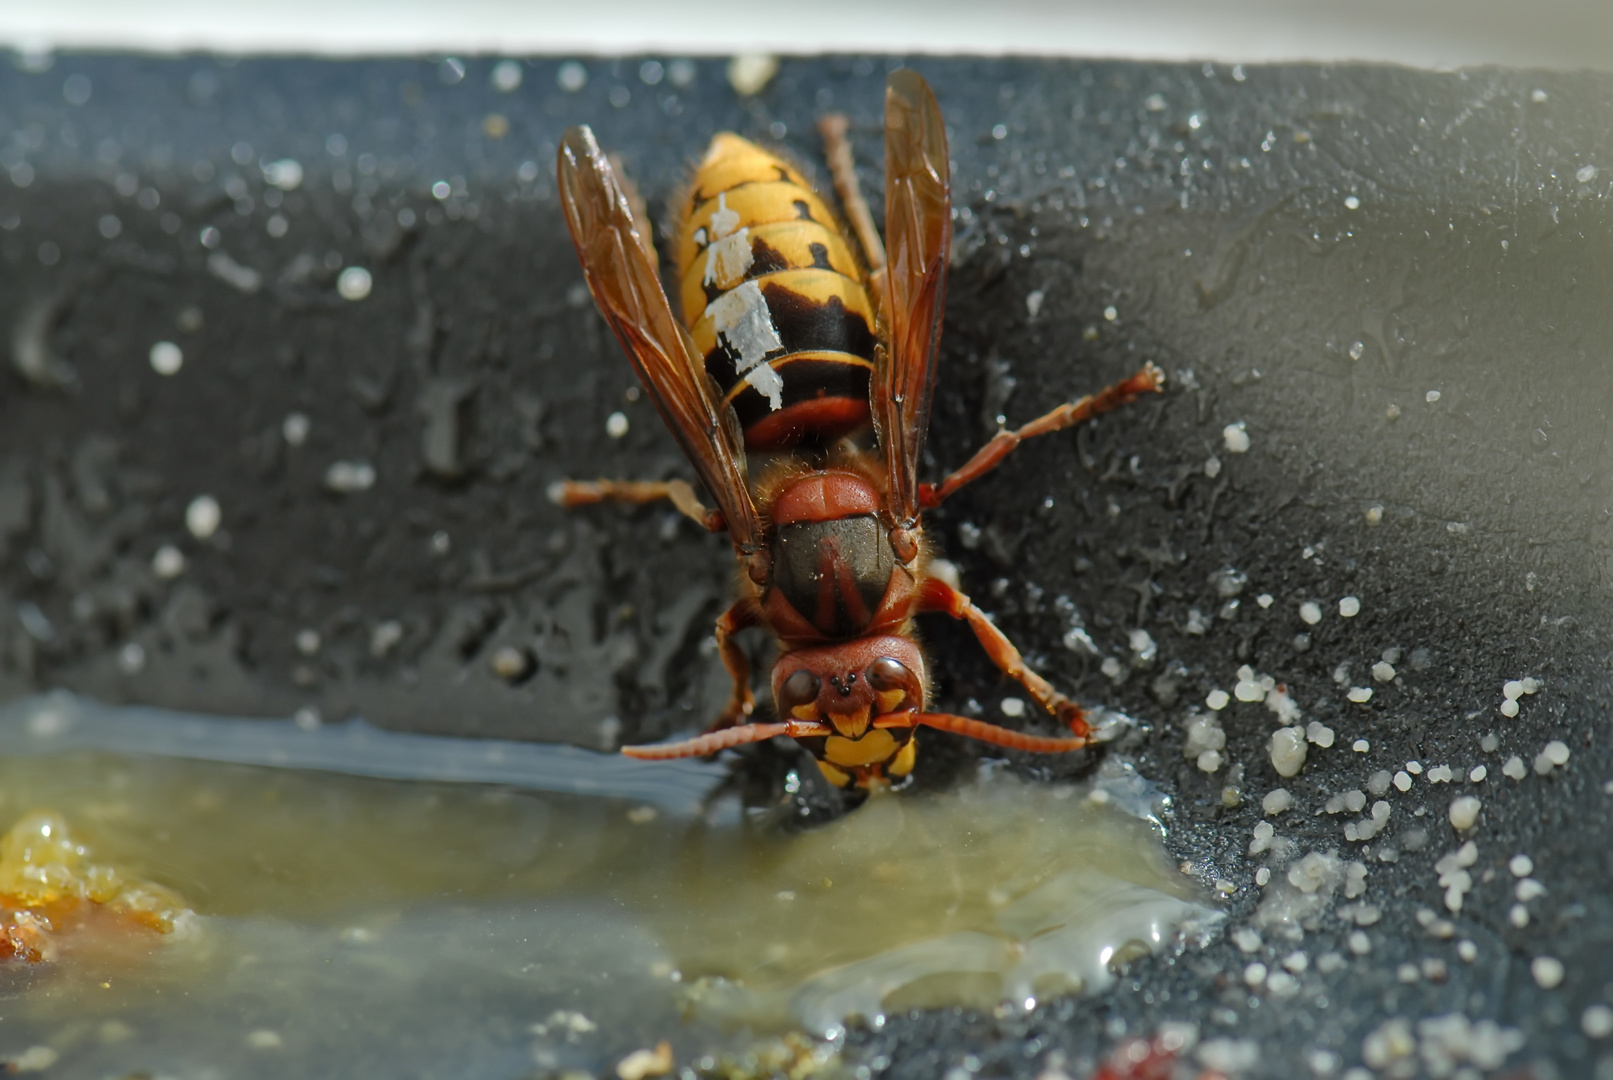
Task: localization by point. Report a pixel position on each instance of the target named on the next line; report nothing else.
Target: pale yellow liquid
(374, 927)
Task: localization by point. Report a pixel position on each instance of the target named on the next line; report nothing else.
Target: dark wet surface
(1207, 228)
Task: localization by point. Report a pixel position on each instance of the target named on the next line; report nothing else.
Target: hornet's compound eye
(888, 674)
(891, 680)
(798, 696)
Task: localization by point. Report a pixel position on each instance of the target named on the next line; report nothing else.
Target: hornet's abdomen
(774, 298)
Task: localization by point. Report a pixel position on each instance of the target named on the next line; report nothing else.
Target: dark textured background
(1211, 218)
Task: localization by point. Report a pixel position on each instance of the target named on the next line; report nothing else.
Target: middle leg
(988, 457)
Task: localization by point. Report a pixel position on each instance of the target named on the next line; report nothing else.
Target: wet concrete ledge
(1395, 281)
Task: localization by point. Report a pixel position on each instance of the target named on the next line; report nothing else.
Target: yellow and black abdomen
(774, 298)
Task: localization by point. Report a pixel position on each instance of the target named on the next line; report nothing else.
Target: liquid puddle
(415, 929)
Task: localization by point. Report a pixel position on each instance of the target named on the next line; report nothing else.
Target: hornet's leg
(570, 493)
(988, 457)
(937, 595)
(837, 149)
(742, 702)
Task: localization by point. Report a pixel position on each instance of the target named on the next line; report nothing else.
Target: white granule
(1556, 752)
(1279, 702)
(1265, 600)
(1236, 438)
(1287, 748)
(1319, 733)
(1440, 774)
(1350, 607)
(1402, 780)
(1209, 761)
(1530, 685)
(1217, 700)
(1477, 775)
(1255, 973)
(1547, 970)
(1247, 939)
(1263, 876)
(1277, 801)
(1509, 708)
(1512, 689)
(1361, 746)
(1467, 950)
(1464, 812)
(1521, 866)
(1518, 916)
(1310, 612)
(1360, 694)
(202, 516)
(1515, 768)
(1383, 672)
(1414, 767)
(1596, 1021)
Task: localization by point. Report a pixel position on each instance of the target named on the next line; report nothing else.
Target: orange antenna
(705, 745)
(996, 736)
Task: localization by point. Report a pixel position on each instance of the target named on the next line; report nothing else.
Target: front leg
(937, 595)
(741, 703)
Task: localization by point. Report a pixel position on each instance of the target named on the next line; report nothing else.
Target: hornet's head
(847, 686)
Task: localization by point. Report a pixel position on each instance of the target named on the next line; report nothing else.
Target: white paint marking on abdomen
(741, 318)
(728, 259)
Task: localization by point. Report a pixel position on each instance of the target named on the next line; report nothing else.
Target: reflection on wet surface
(423, 928)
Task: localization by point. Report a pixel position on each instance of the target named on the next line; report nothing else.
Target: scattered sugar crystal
(1383, 672)
(1512, 689)
(1374, 515)
(1548, 972)
(1287, 748)
(1212, 467)
(1360, 694)
(1217, 700)
(1440, 774)
(1236, 438)
(1330, 962)
(1209, 761)
(1247, 688)
(1350, 607)
(1515, 768)
(1254, 974)
(1585, 174)
(1203, 734)
(1490, 743)
(1247, 939)
(203, 516)
(1521, 866)
(1279, 702)
(1013, 707)
(1402, 780)
(1310, 612)
(1477, 774)
(1263, 876)
(1277, 801)
(1319, 733)
(1360, 944)
(1361, 746)
(1530, 685)
(1464, 812)
(1414, 767)
(1596, 1021)
(1263, 834)
(1378, 782)
(1296, 962)
(1509, 708)
(1556, 752)
(1265, 600)
(1528, 889)
(1281, 984)
(1467, 950)
(1355, 801)
(1408, 973)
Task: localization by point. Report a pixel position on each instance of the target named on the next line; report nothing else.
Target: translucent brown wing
(619, 263)
(918, 240)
